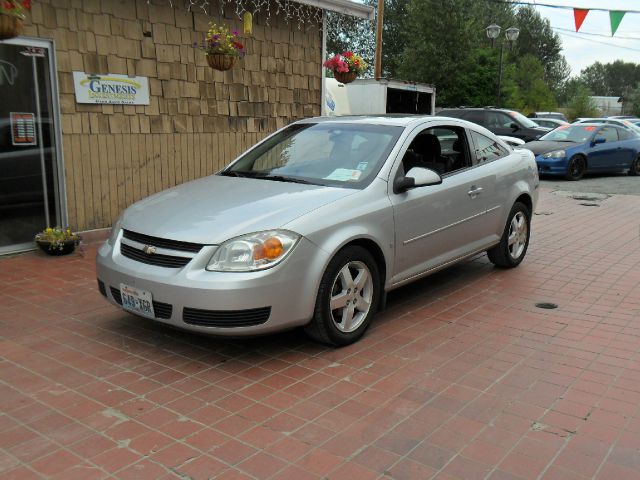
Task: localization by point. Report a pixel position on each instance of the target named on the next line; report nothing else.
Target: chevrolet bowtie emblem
(149, 249)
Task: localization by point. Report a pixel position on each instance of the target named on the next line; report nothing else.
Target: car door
(439, 223)
(629, 142)
(502, 124)
(605, 151)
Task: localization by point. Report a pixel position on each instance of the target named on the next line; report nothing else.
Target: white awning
(346, 7)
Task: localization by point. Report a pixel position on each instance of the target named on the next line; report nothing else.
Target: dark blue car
(573, 150)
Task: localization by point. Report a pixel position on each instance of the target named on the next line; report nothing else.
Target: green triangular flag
(616, 17)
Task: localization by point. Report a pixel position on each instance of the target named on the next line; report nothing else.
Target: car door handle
(474, 191)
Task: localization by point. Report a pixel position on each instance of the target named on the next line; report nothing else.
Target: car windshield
(331, 154)
(570, 133)
(526, 122)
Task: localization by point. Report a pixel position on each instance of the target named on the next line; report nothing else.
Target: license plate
(136, 300)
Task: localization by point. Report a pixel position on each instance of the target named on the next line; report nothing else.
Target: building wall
(198, 119)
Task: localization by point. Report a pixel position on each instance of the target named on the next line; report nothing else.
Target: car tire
(576, 168)
(515, 238)
(347, 300)
(635, 167)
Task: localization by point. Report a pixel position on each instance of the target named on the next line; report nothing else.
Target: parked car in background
(624, 117)
(313, 225)
(513, 142)
(613, 121)
(550, 122)
(576, 149)
(556, 115)
(499, 121)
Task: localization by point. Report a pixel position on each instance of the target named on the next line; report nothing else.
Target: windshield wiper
(238, 173)
(283, 178)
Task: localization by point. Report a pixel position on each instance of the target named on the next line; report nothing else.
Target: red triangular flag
(579, 14)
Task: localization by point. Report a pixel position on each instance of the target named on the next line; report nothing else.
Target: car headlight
(555, 154)
(255, 251)
(115, 230)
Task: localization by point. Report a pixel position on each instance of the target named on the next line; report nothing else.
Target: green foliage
(611, 79)
(581, 104)
(531, 93)
(632, 102)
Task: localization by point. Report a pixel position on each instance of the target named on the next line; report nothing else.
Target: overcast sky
(580, 49)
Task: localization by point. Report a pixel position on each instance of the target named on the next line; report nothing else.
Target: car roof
(401, 120)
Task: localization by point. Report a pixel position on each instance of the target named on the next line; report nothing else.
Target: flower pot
(219, 61)
(345, 77)
(67, 247)
(10, 26)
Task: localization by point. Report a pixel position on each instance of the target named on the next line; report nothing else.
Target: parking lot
(461, 377)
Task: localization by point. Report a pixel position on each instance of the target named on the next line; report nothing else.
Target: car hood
(539, 147)
(216, 208)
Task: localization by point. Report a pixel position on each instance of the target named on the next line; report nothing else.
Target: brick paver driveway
(461, 377)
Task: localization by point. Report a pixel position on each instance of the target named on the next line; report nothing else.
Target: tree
(632, 101)
(581, 104)
(611, 79)
(531, 93)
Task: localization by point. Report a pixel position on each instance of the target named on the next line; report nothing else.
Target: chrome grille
(158, 259)
(162, 242)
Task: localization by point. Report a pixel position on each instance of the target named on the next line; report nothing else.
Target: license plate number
(136, 300)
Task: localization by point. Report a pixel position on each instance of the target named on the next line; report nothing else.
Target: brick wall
(198, 119)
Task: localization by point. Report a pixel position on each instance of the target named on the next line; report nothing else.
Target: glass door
(31, 180)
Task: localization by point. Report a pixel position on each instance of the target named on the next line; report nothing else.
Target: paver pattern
(462, 377)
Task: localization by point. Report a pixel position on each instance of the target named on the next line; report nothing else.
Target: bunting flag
(579, 14)
(616, 17)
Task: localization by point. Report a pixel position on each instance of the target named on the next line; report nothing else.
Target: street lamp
(511, 34)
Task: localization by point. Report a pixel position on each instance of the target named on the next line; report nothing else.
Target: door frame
(59, 180)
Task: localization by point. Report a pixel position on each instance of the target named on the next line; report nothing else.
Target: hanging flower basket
(10, 26)
(221, 46)
(346, 66)
(57, 241)
(220, 61)
(345, 77)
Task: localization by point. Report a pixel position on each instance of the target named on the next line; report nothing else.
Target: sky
(581, 49)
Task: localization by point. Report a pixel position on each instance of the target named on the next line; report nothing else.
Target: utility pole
(378, 64)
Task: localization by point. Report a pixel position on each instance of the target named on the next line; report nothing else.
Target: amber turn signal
(270, 249)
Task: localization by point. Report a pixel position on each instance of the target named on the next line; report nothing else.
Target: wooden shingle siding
(198, 119)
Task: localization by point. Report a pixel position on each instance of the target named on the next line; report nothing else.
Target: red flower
(347, 54)
(238, 45)
(26, 4)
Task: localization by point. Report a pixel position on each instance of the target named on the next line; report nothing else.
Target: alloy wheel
(518, 230)
(351, 296)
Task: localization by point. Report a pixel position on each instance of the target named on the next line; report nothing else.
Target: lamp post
(511, 34)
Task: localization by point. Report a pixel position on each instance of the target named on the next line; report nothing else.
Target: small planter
(10, 26)
(220, 61)
(60, 249)
(345, 77)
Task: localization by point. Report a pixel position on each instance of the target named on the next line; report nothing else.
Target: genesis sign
(111, 88)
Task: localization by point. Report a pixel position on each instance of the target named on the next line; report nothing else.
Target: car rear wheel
(576, 168)
(635, 167)
(515, 238)
(347, 299)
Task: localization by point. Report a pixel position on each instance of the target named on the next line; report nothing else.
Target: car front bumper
(551, 166)
(195, 299)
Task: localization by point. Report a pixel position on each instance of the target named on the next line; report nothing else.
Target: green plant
(219, 39)
(57, 237)
(15, 8)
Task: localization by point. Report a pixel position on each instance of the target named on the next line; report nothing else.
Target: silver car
(315, 224)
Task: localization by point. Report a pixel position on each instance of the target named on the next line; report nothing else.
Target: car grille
(158, 259)
(162, 310)
(162, 242)
(226, 318)
(102, 288)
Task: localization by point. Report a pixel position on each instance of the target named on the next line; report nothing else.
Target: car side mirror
(599, 140)
(416, 177)
(515, 126)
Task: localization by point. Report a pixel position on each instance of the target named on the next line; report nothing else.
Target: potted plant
(12, 13)
(57, 241)
(221, 46)
(346, 66)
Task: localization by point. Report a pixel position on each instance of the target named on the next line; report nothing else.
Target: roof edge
(346, 7)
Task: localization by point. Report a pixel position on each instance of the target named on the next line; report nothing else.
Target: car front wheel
(347, 299)
(515, 238)
(635, 167)
(576, 168)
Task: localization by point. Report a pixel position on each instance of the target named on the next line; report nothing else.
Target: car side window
(625, 134)
(609, 134)
(499, 120)
(475, 116)
(486, 149)
(442, 149)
